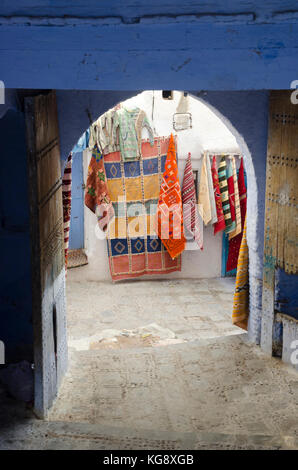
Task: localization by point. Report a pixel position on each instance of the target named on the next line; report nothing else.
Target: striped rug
(190, 211)
(220, 224)
(231, 189)
(234, 243)
(223, 186)
(211, 191)
(237, 202)
(241, 296)
(203, 196)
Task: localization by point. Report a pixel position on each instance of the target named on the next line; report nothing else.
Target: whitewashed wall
(207, 133)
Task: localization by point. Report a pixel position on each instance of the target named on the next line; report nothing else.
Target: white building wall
(208, 133)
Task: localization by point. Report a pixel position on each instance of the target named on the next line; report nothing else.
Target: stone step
(44, 435)
(225, 341)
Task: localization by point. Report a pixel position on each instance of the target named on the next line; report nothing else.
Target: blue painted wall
(76, 237)
(106, 45)
(286, 293)
(247, 112)
(74, 109)
(131, 10)
(111, 45)
(15, 274)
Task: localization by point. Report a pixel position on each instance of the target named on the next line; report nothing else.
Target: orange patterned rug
(169, 218)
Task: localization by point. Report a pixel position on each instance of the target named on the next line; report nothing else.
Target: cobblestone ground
(189, 382)
(219, 393)
(190, 309)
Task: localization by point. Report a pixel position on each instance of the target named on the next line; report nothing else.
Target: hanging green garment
(129, 124)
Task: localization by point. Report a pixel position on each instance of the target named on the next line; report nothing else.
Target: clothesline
(223, 154)
(119, 130)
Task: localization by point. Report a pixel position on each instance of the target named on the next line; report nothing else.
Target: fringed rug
(76, 258)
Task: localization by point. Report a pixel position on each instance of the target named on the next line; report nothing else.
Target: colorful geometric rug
(224, 190)
(96, 192)
(237, 202)
(231, 190)
(220, 224)
(169, 218)
(235, 242)
(133, 187)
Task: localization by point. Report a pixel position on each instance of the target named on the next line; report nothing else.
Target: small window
(167, 94)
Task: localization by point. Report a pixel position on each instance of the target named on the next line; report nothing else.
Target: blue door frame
(76, 237)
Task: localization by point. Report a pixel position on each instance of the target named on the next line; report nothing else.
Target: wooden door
(47, 250)
(280, 236)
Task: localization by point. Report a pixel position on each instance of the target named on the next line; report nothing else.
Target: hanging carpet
(231, 191)
(235, 242)
(220, 224)
(133, 188)
(190, 210)
(241, 296)
(223, 186)
(237, 202)
(169, 218)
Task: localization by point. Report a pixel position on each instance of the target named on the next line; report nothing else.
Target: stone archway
(255, 254)
(255, 192)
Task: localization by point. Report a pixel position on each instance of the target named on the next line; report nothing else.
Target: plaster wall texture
(207, 133)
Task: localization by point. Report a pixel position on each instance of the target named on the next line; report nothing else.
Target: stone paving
(219, 385)
(203, 386)
(211, 382)
(218, 393)
(190, 309)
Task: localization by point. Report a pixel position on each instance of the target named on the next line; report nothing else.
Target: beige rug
(76, 258)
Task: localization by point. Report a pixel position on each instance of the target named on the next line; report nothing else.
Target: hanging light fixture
(167, 94)
(182, 119)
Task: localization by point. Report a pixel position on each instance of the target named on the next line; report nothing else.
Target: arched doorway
(92, 342)
(244, 113)
(254, 241)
